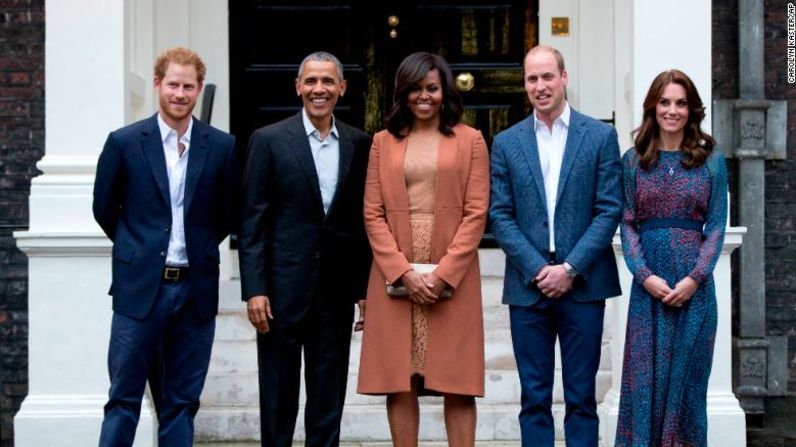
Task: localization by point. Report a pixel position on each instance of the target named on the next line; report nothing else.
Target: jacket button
(162, 254)
(317, 255)
(545, 224)
(166, 229)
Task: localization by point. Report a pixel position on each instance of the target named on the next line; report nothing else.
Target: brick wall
(21, 145)
(776, 427)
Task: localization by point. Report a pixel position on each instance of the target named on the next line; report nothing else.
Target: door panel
(268, 40)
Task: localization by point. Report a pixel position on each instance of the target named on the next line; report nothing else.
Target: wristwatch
(571, 272)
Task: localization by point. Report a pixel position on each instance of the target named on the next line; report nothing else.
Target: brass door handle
(465, 81)
(393, 21)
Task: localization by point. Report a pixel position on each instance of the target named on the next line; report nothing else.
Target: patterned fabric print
(669, 350)
(422, 227)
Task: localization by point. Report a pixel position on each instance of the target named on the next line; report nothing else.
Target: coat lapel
(197, 155)
(300, 147)
(397, 172)
(152, 147)
(574, 139)
(530, 150)
(392, 154)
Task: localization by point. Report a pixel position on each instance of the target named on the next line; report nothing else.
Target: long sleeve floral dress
(672, 226)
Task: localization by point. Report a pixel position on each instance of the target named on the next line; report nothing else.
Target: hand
(553, 281)
(419, 291)
(683, 291)
(657, 286)
(360, 323)
(259, 309)
(436, 284)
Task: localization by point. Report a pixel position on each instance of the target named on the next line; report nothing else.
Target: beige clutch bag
(398, 289)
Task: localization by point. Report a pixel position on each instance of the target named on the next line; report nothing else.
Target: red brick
(20, 78)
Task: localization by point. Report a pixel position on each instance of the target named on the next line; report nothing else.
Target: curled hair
(322, 56)
(696, 145)
(412, 70)
(180, 56)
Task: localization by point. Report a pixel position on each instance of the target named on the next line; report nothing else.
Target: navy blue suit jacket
(132, 205)
(289, 249)
(588, 209)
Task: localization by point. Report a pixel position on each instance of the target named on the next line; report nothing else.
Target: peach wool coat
(455, 346)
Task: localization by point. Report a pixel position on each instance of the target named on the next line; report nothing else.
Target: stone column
(69, 265)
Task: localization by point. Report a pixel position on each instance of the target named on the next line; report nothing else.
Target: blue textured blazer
(587, 213)
(132, 204)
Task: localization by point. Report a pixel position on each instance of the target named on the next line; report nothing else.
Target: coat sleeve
(464, 245)
(255, 200)
(364, 256)
(386, 254)
(503, 217)
(606, 209)
(108, 187)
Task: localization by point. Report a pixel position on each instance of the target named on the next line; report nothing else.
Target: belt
(670, 222)
(175, 273)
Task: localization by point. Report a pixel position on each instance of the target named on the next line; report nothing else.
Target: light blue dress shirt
(326, 154)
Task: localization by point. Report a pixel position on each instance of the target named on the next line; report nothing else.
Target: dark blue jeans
(187, 341)
(579, 328)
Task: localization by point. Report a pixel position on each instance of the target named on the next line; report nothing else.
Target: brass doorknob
(465, 81)
(393, 22)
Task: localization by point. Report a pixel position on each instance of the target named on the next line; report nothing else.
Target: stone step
(380, 444)
(367, 423)
(240, 390)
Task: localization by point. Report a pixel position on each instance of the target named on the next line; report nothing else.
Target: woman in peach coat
(426, 200)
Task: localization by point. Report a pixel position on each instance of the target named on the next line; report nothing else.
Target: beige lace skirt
(422, 227)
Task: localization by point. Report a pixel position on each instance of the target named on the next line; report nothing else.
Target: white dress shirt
(326, 154)
(176, 165)
(551, 144)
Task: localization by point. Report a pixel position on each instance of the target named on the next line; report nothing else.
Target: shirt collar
(309, 128)
(563, 118)
(165, 130)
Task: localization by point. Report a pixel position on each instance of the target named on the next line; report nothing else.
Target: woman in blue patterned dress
(675, 211)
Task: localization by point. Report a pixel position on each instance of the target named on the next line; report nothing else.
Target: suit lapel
(345, 156)
(152, 147)
(300, 146)
(574, 139)
(197, 155)
(530, 151)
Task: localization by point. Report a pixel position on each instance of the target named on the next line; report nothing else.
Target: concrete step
(367, 423)
(241, 390)
(382, 444)
(361, 423)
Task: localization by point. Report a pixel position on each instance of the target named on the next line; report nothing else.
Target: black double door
(484, 42)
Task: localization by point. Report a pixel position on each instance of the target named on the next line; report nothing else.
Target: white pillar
(69, 257)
